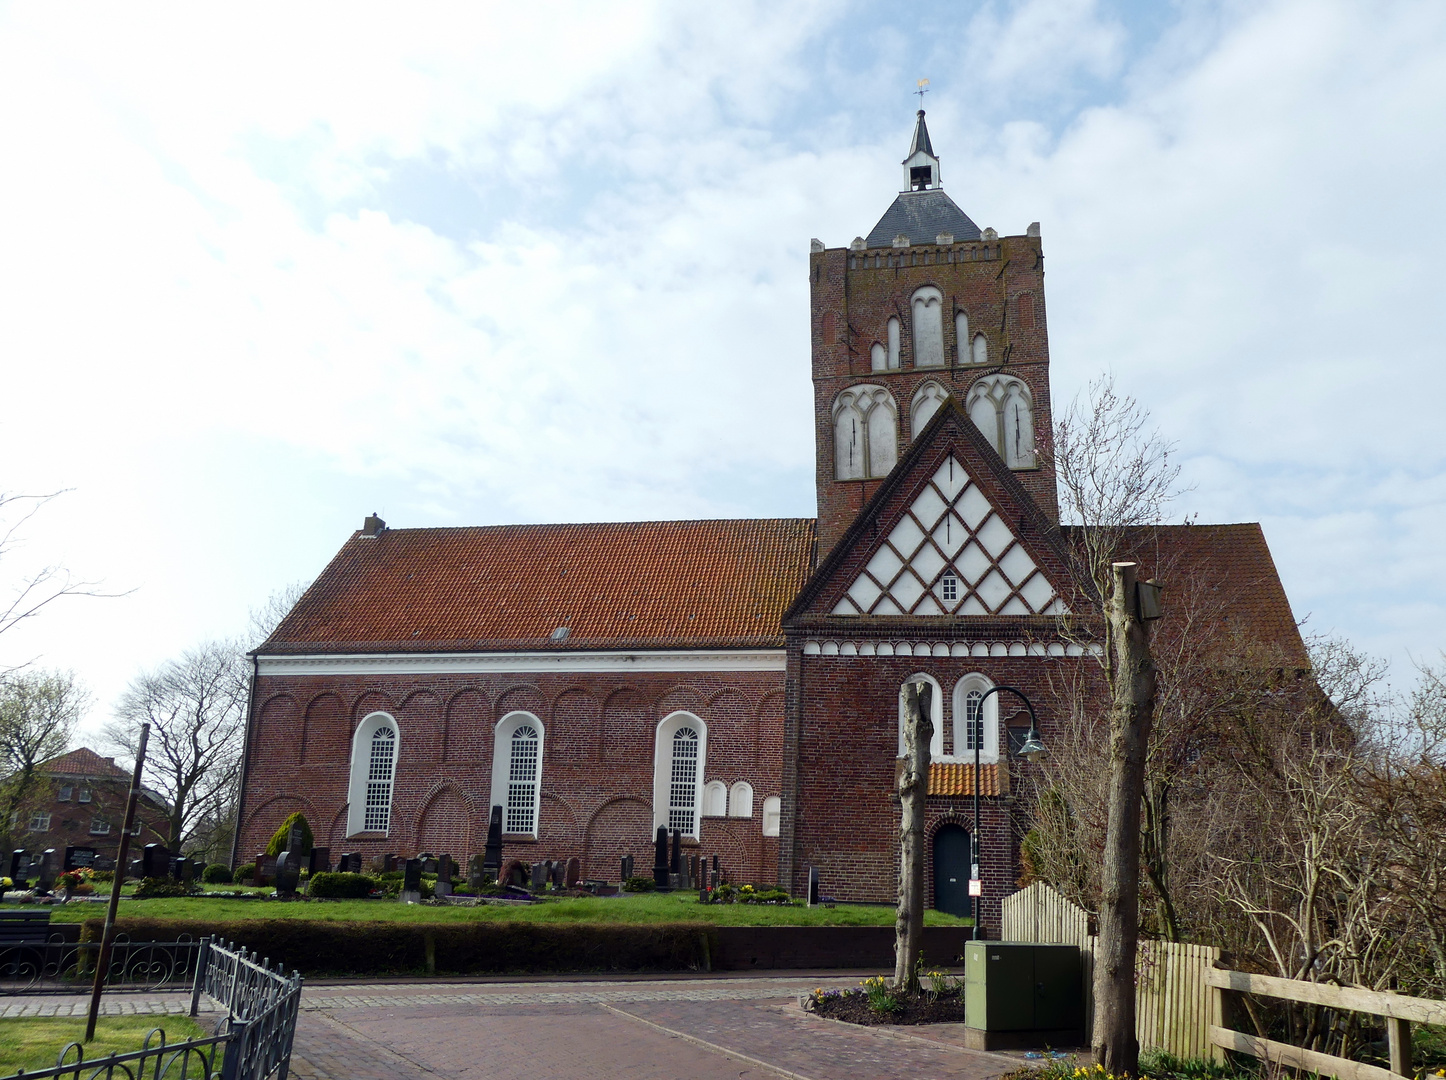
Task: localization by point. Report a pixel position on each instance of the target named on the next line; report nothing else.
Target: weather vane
(923, 89)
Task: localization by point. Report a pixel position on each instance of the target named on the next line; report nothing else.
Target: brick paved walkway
(652, 1030)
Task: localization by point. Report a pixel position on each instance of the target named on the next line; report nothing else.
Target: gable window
(976, 721)
(928, 308)
(517, 772)
(740, 799)
(64, 795)
(373, 772)
(99, 827)
(1001, 407)
(866, 440)
(680, 753)
(772, 815)
(39, 821)
(948, 588)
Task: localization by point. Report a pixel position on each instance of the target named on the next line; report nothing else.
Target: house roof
(616, 585)
(922, 216)
(83, 761)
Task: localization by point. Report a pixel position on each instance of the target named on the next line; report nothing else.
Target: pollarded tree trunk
(1131, 714)
(913, 788)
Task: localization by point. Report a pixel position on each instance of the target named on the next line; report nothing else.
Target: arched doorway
(951, 870)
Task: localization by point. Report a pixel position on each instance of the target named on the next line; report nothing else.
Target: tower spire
(921, 167)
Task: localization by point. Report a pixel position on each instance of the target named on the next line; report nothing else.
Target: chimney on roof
(373, 525)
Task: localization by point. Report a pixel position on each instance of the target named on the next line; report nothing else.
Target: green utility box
(1019, 994)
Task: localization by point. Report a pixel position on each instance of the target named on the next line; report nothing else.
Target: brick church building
(737, 680)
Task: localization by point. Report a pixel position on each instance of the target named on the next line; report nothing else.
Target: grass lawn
(33, 1042)
(628, 908)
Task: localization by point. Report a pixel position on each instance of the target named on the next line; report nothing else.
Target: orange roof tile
(957, 778)
(82, 762)
(620, 585)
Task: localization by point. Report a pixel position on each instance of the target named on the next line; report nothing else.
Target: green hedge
(216, 874)
(279, 838)
(379, 948)
(343, 886)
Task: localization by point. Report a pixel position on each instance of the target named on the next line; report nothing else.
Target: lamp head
(1032, 747)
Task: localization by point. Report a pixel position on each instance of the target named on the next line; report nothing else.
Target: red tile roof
(82, 762)
(623, 585)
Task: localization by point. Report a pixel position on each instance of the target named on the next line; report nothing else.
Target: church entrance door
(951, 870)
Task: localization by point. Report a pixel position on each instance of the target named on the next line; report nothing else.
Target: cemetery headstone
(573, 873)
(428, 861)
(676, 864)
(78, 857)
(155, 861)
(514, 872)
(477, 872)
(389, 864)
(492, 858)
(716, 882)
(626, 870)
(319, 861)
(258, 876)
(446, 869)
(412, 881)
(181, 869)
(46, 871)
(198, 867)
(288, 873)
(17, 868)
(557, 873)
(295, 838)
(813, 886)
(539, 876)
(350, 862)
(134, 869)
(660, 858)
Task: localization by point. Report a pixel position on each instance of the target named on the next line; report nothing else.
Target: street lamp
(1031, 749)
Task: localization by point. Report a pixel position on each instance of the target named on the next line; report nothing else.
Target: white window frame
(663, 767)
(39, 821)
(83, 795)
(502, 766)
(99, 827)
(740, 800)
(361, 760)
(936, 744)
(66, 791)
(715, 799)
(989, 751)
(772, 815)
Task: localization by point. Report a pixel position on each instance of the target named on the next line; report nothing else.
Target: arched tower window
(936, 714)
(517, 772)
(928, 309)
(893, 343)
(373, 773)
(679, 757)
(1002, 408)
(865, 428)
(981, 349)
(975, 722)
(927, 400)
(961, 336)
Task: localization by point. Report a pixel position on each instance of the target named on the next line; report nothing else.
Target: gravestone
(428, 861)
(155, 861)
(135, 867)
(813, 886)
(181, 869)
(17, 868)
(660, 858)
(675, 865)
(412, 881)
(573, 873)
(198, 867)
(45, 872)
(695, 879)
(78, 857)
(477, 872)
(446, 870)
(389, 864)
(350, 862)
(514, 872)
(295, 838)
(288, 873)
(538, 877)
(626, 870)
(717, 878)
(557, 873)
(492, 858)
(319, 862)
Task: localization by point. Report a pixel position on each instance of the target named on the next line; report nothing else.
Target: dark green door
(951, 870)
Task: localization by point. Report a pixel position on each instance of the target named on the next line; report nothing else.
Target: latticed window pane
(974, 720)
(522, 781)
(378, 813)
(683, 790)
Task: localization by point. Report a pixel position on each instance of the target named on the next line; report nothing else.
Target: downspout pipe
(245, 759)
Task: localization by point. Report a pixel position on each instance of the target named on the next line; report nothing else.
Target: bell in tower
(921, 167)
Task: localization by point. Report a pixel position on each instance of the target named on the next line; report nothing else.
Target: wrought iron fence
(56, 965)
(261, 1006)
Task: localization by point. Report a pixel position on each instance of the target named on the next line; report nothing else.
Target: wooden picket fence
(1173, 1001)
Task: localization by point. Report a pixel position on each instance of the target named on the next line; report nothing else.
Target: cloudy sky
(263, 271)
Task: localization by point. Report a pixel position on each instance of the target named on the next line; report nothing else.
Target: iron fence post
(235, 1059)
(203, 954)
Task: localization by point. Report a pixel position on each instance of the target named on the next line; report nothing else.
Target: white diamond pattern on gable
(950, 528)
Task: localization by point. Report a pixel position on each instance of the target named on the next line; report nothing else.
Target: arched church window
(373, 772)
(961, 335)
(683, 786)
(976, 720)
(927, 400)
(878, 358)
(1002, 408)
(928, 312)
(679, 758)
(517, 772)
(866, 433)
(981, 349)
(893, 343)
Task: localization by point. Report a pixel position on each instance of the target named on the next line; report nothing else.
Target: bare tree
(196, 706)
(913, 792)
(265, 619)
(38, 714)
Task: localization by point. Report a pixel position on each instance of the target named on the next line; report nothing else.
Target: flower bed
(941, 1000)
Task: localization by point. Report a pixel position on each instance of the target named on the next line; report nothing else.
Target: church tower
(926, 306)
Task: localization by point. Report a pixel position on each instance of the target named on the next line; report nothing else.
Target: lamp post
(1031, 749)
